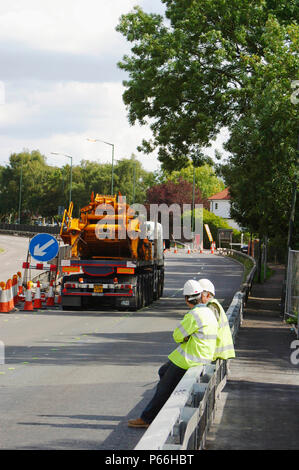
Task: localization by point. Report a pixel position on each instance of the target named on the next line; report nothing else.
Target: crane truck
(116, 257)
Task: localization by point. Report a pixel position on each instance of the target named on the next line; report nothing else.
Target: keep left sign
(43, 247)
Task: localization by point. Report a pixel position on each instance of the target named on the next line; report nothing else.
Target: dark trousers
(170, 375)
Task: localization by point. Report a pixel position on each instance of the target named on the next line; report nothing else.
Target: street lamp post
(193, 200)
(112, 171)
(134, 182)
(71, 175)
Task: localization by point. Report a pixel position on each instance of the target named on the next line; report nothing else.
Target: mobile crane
(116, 258)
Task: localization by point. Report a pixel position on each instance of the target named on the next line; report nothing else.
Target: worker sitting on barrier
(224, 343)
(196, 335)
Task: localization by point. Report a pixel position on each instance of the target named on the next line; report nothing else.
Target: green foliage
(262, 169)
(214, 222)
(206, 180)
(214, 64)
(293, 320)
(247, 263)
(44, 188)
(193, 74)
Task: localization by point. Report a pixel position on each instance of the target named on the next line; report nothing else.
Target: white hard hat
(207, 285)
(192, 288)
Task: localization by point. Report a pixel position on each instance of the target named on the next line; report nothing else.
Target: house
(220, 205)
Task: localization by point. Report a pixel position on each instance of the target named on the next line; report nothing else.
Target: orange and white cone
(28, 298)
(10, 295)
(175, 248)
(51, 298)
(6, 297)
(189, 251)
(37, 299)
(3, 298)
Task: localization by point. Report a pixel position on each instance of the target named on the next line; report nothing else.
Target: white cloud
(61, 80)
(74, 26)
(60, 117)
(58, 69)
(2, 93)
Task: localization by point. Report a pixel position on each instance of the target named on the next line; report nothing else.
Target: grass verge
(247, 263)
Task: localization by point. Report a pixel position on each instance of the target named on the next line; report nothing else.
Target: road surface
(71, 380)
(14, 254)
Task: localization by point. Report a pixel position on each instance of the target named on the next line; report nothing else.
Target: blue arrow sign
(43, 247)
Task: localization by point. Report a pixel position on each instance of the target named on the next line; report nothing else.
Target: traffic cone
(50, 299)
(10, 295)
(212, 248)
(28, 298)
(6, 297)
(37, 298)
(189, 251)
(175, 248)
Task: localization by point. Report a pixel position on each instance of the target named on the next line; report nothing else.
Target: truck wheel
(148, 288)
(151, 298)
(161, 285)
(142, 291)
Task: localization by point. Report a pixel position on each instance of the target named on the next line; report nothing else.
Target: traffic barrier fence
(291, 301)
(248, 281)
(26, 228)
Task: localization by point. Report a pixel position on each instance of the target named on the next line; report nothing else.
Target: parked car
(244, 249)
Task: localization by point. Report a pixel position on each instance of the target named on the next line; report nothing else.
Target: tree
(25, 176)
(215, 223)
(263, 167)
(132, 180)
(205, 179)
(44, 188)
(191, 73)
(174, 193)
(171, 197)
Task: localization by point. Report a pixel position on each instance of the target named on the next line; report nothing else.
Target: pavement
(258, 408)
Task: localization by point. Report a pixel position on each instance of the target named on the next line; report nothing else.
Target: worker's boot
(137, 423)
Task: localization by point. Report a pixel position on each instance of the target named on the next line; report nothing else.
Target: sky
(60, 84)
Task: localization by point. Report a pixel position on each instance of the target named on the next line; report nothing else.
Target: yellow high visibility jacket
(200, 326)
(224, 343)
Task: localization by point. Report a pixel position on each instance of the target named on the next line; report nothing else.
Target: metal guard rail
(26, 229)
(184, 420)
(247, 284)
